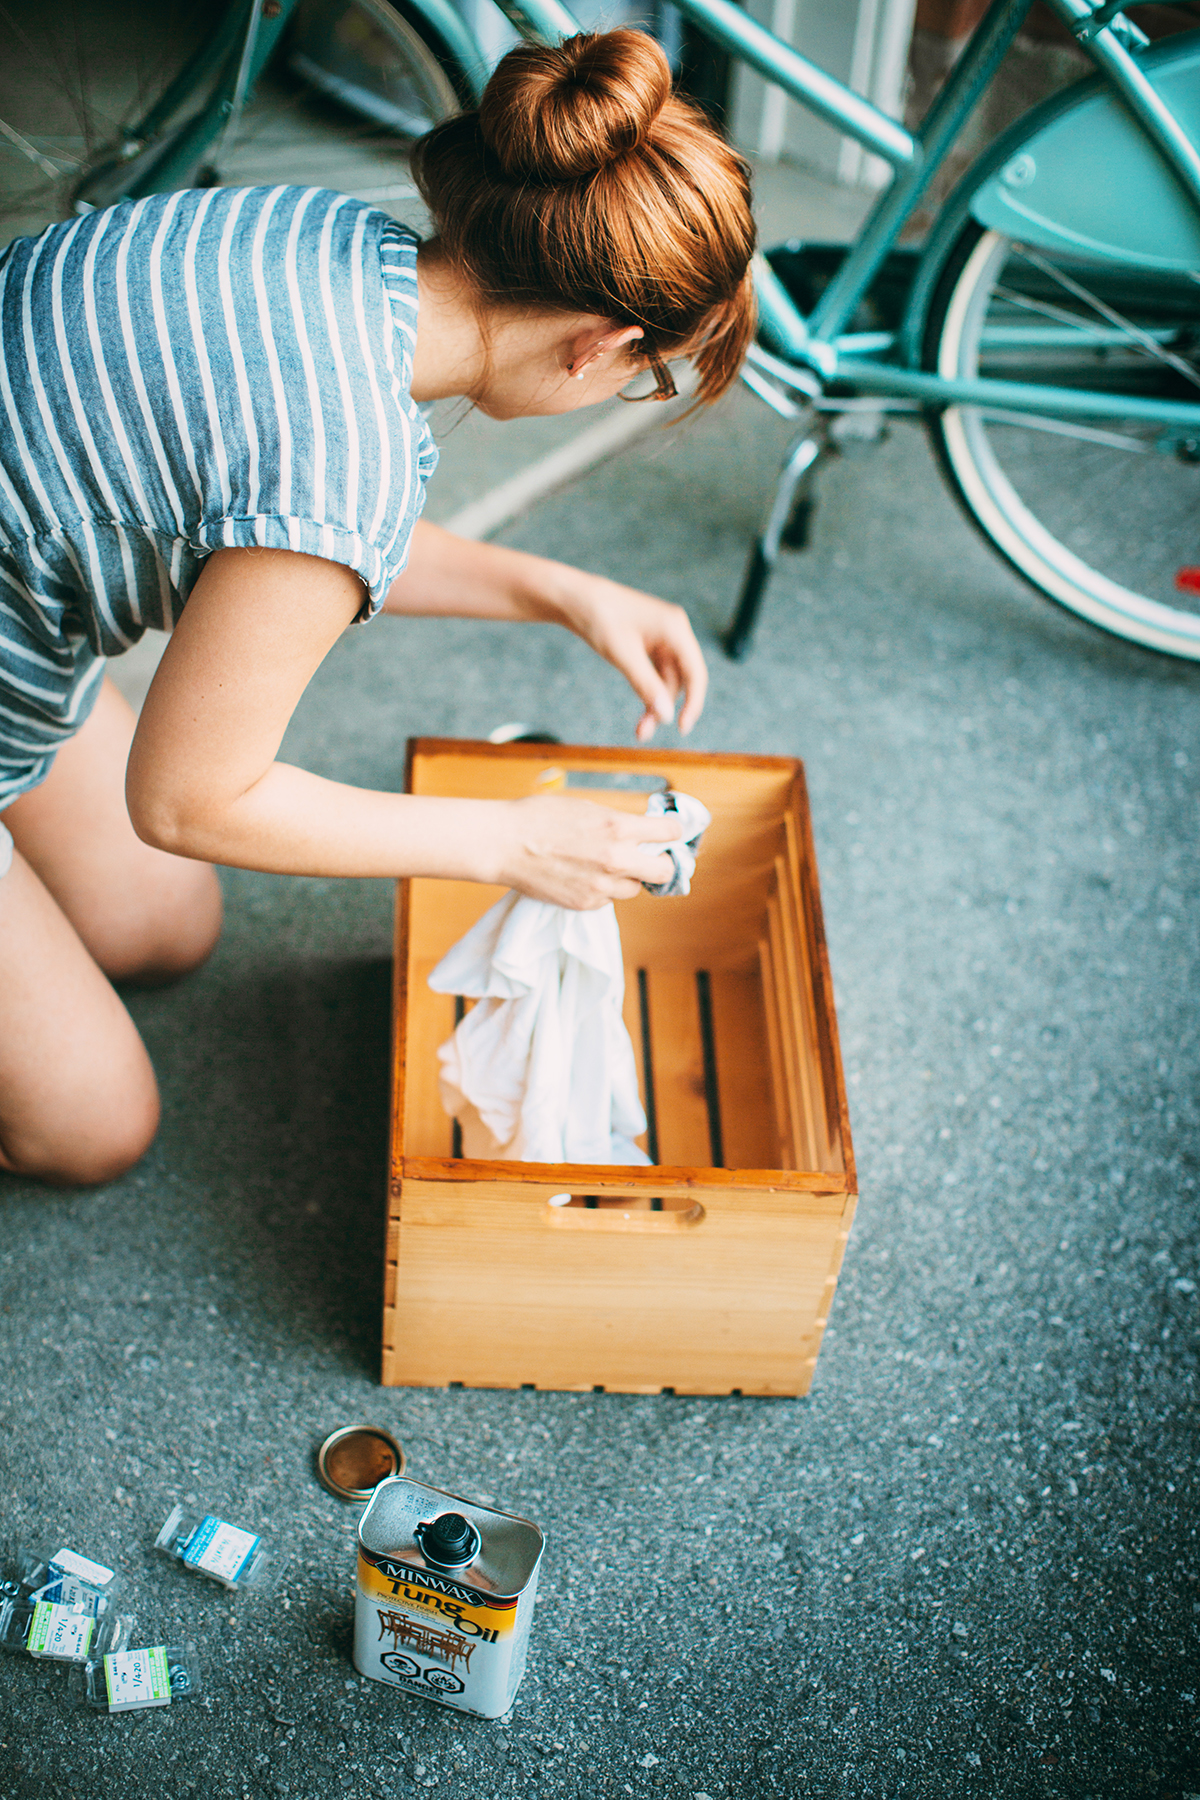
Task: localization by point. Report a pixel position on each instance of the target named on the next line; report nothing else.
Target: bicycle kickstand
(786, 523)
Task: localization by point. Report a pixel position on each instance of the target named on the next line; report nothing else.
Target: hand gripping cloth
(541, 1069)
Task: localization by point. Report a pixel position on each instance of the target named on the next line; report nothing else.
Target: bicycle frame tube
(1013, 396)
(467, 50)
(541, 21)
(1123, 74)
(244, 41)
(733, 28)
(915, 159)
(891, 212)
(818, 340)
(830, 99)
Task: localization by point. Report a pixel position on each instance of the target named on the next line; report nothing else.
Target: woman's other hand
(574, 853)
(650, 641)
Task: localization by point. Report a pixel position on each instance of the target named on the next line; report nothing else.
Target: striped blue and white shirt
(229, 366)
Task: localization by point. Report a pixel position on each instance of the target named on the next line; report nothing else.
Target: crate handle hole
(608, 1211)
(620, 781)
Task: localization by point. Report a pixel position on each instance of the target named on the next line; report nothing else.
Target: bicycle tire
(66, 94)
(71, 93)
(380, 59)
(1103, 515)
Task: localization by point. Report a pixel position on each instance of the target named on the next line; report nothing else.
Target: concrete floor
(966, 1564)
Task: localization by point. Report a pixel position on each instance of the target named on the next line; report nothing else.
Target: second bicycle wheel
(379, 61)
(1100, 513)
(352, 84)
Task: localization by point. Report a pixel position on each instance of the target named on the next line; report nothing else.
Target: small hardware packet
(72, 1578)
(132, 1680)
(202, 1541)
(67, 1578)
(60, 1633)
(59, 1607)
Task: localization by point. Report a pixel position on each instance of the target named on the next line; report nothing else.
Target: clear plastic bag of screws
(226, 1553)
(57, 1632)
(58, 1606)
(132, 1680)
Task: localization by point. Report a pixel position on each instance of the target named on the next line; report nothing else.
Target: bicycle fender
(1091, 182)
(983, 175)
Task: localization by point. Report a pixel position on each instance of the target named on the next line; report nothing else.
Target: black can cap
(449, 1540)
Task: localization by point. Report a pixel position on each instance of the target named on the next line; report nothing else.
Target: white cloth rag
(694, 821)
(541, 1069)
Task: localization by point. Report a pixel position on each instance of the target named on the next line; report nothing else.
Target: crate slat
(820, 1090)
(748, 1128)
(820, 1034)
(429, 1129)
(631, 1012)
(805, 1065)
(795, 1063)
(681, 1108)
(779, 1088)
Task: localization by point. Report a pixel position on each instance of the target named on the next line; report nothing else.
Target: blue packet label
(220, 1550)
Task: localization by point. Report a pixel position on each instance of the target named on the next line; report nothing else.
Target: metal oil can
(445, 1596)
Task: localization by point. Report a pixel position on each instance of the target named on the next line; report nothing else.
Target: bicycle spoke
(1083, 434)
(39, 59)
(1136, 333)
(1045, 310)
(285, 127)
(27, 149)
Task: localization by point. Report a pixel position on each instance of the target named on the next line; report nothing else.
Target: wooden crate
(713, 1271)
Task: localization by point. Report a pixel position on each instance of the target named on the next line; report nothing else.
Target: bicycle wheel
(1102, 514)
(380, 60)
(70, 78)
(355, 81)
(355, 84)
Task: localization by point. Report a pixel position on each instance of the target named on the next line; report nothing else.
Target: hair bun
(562, 113)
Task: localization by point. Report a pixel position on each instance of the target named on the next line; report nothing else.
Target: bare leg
(144, 915)
(78, 1101)
(85, 898)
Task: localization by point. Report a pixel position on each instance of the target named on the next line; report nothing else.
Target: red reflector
(1188, 581)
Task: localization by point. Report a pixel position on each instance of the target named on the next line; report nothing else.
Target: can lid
(354, 1459)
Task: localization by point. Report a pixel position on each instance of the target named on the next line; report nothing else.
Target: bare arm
(203, 780)
(650, 641)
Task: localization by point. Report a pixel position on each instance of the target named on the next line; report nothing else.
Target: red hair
(583, 184)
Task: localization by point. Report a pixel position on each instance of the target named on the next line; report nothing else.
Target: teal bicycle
(1048, 330)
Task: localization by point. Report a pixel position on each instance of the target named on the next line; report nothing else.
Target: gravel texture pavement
(966, 1564)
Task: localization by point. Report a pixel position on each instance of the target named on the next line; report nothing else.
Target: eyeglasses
(664, 382)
